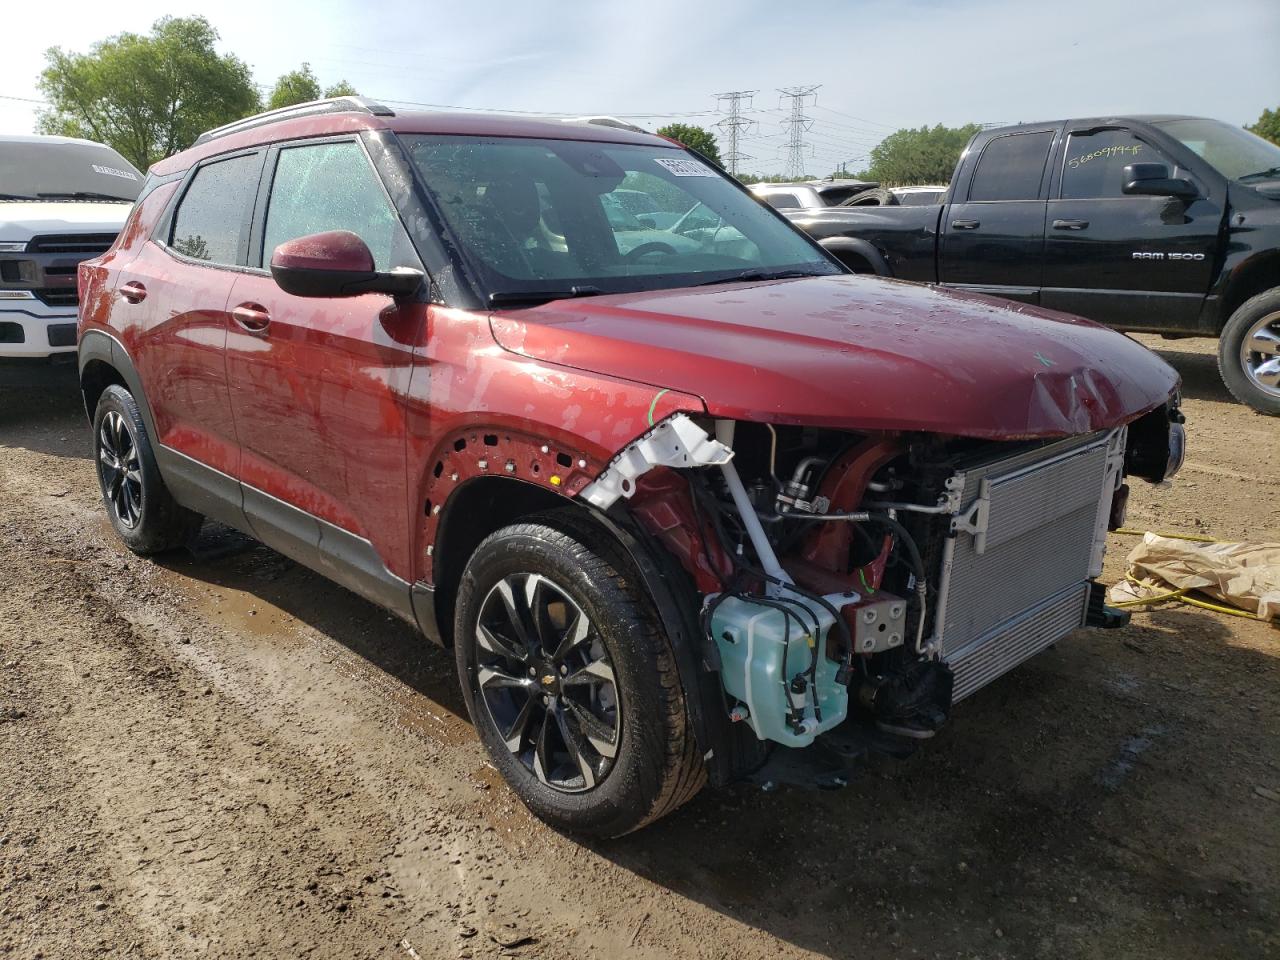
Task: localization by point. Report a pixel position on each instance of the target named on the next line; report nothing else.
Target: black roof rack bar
(312, 108)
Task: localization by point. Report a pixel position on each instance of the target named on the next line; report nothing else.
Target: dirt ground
(225, 755)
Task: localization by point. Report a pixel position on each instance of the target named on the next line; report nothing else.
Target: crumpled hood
(857, 353)
(21, 220)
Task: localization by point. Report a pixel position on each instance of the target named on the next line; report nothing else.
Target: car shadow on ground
(1200, 377)
(1076, 793)
(41, 410)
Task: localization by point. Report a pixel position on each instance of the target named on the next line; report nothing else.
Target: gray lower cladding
(1010, 643)
(338, 554)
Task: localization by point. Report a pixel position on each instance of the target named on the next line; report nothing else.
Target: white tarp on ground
(1244, 575)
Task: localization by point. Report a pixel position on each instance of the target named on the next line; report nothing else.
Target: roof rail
(605, 122)
(309, 109)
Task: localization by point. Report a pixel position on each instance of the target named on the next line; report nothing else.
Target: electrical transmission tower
(735, 125)
(797, 125)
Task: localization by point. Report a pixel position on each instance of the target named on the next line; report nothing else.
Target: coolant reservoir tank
(763, 649)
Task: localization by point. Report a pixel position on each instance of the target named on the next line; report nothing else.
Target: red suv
(677, 489)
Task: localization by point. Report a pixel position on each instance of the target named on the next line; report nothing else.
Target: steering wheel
(645, 249)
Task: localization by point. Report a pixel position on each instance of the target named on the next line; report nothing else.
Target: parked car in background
(898, 196)
(672, 508)
(61, 202)
(810, 194)
(1160, 224)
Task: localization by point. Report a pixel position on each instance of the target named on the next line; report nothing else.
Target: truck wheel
(1249, 353)
(570, 681)
(140, 507)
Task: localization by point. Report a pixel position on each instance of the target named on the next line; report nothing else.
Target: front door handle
(1070, 224)
(965, 224)
(252, 316)
(134, 292)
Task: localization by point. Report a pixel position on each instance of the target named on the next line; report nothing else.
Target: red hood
(856, 353)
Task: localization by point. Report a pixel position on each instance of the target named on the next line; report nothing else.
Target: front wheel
(1249, 353)
(570, 681)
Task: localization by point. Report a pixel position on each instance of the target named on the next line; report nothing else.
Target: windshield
(567, 217)
(49, 170)
(1235, 153)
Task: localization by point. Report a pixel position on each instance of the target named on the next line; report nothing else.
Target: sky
(878, 65)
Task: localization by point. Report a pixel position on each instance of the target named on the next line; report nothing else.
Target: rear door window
(212, 219)
(332, 186)
(1011, 167)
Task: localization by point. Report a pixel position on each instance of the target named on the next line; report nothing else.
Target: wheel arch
(103, 361)
(1256, 275)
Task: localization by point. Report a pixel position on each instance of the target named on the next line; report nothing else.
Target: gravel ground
(225, 755)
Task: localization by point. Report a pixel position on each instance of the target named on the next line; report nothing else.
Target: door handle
(252, 316)
(134, 292)
(1070, 224)
(965, 224)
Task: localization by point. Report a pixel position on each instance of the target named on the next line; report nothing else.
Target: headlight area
(856, 585)
(1157, 444)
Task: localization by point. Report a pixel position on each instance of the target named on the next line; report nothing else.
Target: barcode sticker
(686, 168)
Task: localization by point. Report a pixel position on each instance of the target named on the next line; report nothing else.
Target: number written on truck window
(213, 216)
(1011, 167)
(1093, 166)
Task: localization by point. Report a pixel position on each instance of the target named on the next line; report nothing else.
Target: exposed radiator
(1014, 578)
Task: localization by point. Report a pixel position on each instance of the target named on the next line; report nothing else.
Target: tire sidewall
(1229, 362)
(144, 536)
(631, 787)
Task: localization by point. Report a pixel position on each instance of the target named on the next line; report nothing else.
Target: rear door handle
(1070, 224)
(134, 292)
(965, 224)
(252, 316)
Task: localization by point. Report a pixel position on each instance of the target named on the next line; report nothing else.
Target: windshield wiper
(760, 274)
(508, 298)
(14, 196)
(1273, 173)
(82, 195)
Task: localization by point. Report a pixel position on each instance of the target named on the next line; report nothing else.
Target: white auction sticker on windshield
(686, 168)
(114, 172)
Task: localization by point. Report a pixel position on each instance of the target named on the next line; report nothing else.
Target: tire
(1249, 353)
(528, 701)
(875, 197)
(139, 505)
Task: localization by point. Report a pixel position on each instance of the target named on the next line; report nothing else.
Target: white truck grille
(1014, 576)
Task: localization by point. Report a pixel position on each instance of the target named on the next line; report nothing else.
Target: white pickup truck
(61, 201)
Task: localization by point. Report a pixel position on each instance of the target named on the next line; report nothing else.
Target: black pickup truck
(1159, 224)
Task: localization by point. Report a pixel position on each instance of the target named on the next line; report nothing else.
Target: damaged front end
(856, 585)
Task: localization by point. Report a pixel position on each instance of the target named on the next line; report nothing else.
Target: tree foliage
(303, 86)
(927, 155)
(1268, 126)
(146, 96)
(695, 138)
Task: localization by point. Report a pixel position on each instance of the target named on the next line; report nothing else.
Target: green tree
(146, 96)
(927, 155)
(341, 89)
(695, 138)
(296, 86)
(1268, 126)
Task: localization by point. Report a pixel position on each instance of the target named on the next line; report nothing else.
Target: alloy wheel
(120, 469)
(1260, 354)
(547, 682)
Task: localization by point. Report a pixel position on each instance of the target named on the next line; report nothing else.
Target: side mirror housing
(1153, 180)
(336, 264)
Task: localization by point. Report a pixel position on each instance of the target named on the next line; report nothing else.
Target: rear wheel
(139, 505)
(570, 682)
(1249, 353)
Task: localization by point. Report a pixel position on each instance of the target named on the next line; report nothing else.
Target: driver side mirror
(337, 264)
(1153, 180)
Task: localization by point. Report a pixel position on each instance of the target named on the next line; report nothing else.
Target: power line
(735, 125)
(797, 125)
